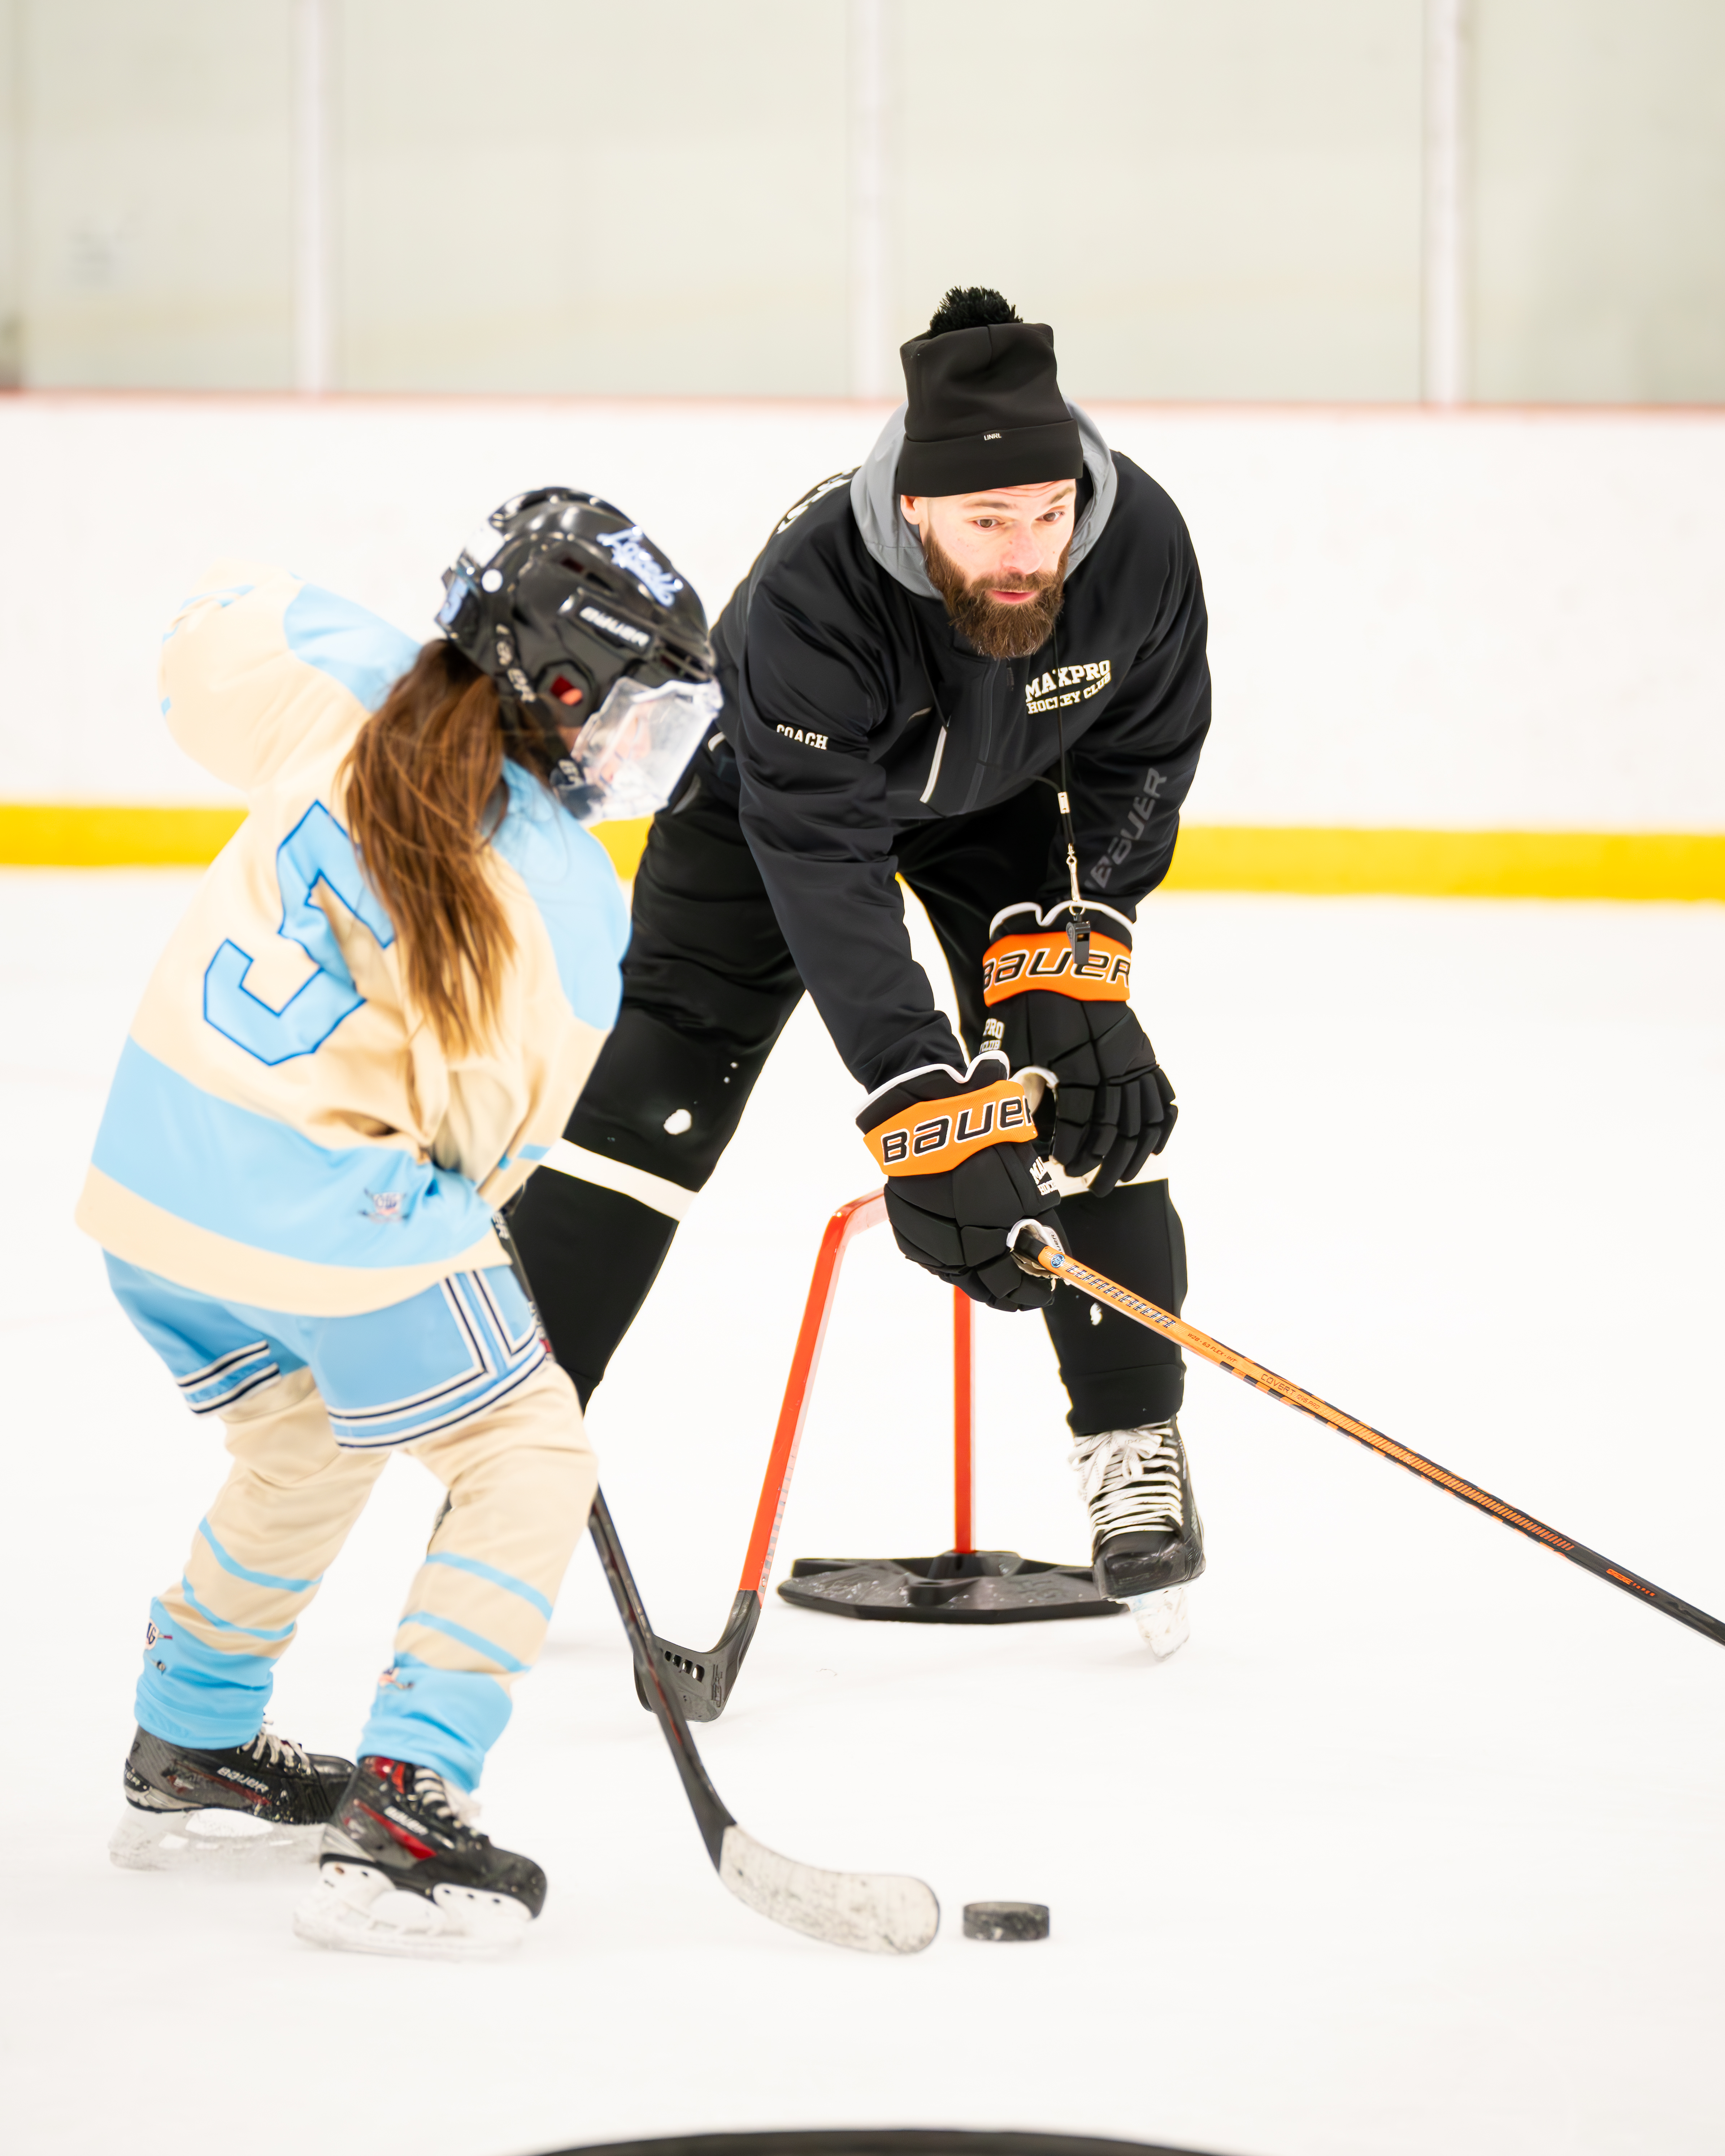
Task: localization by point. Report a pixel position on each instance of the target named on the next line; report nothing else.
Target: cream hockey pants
(520, 1478)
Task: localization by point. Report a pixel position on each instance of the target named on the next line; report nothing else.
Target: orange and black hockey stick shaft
(1036, 1256)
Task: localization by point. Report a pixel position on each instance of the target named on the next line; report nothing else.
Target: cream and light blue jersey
(284, 1130)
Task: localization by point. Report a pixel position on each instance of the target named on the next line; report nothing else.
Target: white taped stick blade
(887, 1913)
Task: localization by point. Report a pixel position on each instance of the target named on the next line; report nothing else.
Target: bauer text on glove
(960, 1157)
(1057, 1005)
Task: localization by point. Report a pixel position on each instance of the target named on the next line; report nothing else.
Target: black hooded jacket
(853, 708)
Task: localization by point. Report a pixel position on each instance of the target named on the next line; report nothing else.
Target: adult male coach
(978, 661)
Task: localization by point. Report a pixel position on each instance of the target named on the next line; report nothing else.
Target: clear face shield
(632, 752)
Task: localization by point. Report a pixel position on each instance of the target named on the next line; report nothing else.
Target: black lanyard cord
(1077, 920)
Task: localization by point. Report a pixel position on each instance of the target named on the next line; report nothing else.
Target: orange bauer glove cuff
(931, 1136)
(1043, 959)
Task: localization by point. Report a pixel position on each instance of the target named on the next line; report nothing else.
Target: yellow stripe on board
(625, 842)
(1617, 864)
(95, 835)
(1622, 865)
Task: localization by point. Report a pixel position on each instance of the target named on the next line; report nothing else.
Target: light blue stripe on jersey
(358, 650)
(570, 879)
(444, 1719)
(224, 595)
(257, 1182)
(239, 1571)
(498, 1579)
(196, 1694)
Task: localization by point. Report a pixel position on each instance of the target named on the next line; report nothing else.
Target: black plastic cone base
(976, 1587)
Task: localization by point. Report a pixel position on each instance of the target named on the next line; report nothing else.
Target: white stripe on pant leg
(654, 1191)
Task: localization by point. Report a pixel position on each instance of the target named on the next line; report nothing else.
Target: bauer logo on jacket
(1137, 822)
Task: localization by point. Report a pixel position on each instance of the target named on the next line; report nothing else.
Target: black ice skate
(402, 1871)
(184, 1805)
(1149, 1539)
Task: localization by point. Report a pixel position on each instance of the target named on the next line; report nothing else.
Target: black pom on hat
(971, 307)
(985, 405)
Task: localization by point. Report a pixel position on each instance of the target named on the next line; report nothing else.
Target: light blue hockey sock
(444, 1719)
(197, 1695)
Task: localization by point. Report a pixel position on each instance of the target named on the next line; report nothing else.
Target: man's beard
(997, 631)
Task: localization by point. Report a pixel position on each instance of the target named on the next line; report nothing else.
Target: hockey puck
(1006, 1920)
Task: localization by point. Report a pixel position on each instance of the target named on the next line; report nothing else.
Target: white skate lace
(269, 1750)
(437, 1795)
(1130, 1478)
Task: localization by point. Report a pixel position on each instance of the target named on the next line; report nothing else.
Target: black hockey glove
(962, 1169)
(1113, 1105)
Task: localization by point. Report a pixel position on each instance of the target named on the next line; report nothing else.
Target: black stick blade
(874, 1913)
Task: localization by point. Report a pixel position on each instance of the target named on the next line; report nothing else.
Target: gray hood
(896, 545)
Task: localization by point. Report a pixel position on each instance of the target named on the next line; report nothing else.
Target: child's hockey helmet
(557, 595)
(583, 624)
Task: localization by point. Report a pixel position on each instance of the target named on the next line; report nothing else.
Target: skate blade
(1163, 1619)
(210, 1839)
(354, 1909)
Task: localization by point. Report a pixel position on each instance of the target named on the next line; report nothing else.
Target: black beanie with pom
(985, 405)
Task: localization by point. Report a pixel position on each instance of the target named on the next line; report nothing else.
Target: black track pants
(708, 985)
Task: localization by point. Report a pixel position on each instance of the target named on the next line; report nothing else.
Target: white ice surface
(1419, 1846)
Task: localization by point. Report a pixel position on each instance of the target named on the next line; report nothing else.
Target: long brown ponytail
(421, 781)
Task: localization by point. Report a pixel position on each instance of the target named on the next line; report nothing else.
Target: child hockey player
(373, 1020)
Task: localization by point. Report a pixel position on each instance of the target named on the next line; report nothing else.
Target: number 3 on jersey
(317, 850)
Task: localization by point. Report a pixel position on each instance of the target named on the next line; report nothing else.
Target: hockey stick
(1036, 1254)
(876, 1912)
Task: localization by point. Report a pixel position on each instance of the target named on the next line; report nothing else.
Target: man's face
(999, 559)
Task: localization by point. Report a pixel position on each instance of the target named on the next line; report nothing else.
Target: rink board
(1624, 865)
(1478, 623)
